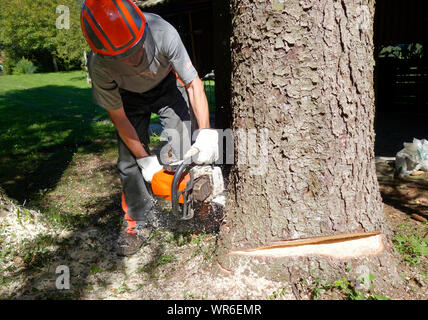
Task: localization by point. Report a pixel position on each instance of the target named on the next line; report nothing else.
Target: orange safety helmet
(114, 29)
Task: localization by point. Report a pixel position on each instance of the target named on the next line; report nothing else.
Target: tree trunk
(303, 70)
(54, 63)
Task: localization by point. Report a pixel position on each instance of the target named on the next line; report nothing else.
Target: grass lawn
(209, 86)
(45, 119)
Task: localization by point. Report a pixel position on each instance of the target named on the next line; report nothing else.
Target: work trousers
(170, 102)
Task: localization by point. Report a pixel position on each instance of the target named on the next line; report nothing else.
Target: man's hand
(206, 147)
(127, 132)
(149, 166)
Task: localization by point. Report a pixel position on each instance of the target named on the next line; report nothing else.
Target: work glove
(149, 166)
(205, 146)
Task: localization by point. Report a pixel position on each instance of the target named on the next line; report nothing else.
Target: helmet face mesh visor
(140, 56)
(113, 28)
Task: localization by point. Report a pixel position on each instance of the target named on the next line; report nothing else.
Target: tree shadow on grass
(89, 252)
(78, 78)
(407, 194)
(41, 129)
(85, 250)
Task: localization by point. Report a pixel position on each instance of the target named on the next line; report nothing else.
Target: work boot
(130, 243)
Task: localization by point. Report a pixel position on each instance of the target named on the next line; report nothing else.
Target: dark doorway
(401, 73)
(194, 22)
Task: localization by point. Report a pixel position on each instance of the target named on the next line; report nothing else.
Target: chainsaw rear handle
(186, 213)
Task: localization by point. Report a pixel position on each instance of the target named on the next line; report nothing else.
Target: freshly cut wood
(417, 173)
(418, 218)
(344, 246)
(149, 3)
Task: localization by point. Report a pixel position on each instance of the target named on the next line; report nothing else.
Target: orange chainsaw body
(162, 183)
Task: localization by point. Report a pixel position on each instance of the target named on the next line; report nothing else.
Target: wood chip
(418, 218)
(3, 213)
(417, 173)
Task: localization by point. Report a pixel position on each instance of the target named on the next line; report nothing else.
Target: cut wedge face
(346, 246)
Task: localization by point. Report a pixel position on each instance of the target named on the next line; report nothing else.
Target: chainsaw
(189, 186)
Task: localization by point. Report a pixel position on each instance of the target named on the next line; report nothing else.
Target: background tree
(28, 29)
(304, 70)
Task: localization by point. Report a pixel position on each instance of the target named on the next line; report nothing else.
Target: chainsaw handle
(175, 194)
(173, 167)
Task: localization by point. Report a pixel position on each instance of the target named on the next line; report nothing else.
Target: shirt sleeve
(179, 58)
(105, 92)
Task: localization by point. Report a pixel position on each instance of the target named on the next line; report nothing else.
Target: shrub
(8, 65)
(24, 66)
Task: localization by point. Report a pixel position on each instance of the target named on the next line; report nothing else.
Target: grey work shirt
(168, 52)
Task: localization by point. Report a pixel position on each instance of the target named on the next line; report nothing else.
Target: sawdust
(97, 273)
(176, 264)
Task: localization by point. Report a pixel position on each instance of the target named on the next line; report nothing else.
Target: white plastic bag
(414, 157)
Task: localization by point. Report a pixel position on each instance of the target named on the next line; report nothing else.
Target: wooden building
(402, 78)
(194, 21)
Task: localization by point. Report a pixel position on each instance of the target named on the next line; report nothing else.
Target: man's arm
(127, 132)
(206, 144)
(199, 102)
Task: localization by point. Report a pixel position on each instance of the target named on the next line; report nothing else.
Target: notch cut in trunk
(344, 246)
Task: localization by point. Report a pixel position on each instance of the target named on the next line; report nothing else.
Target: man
(137, 62)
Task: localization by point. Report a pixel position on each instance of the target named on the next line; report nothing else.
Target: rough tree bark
(304, 70)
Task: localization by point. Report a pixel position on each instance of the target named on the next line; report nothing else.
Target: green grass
(347, 290)
(209, 86)
(411, 245)
(277, 294)
(47, 110)
(46, 119)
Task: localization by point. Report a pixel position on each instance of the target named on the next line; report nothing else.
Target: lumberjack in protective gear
(140, 66)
